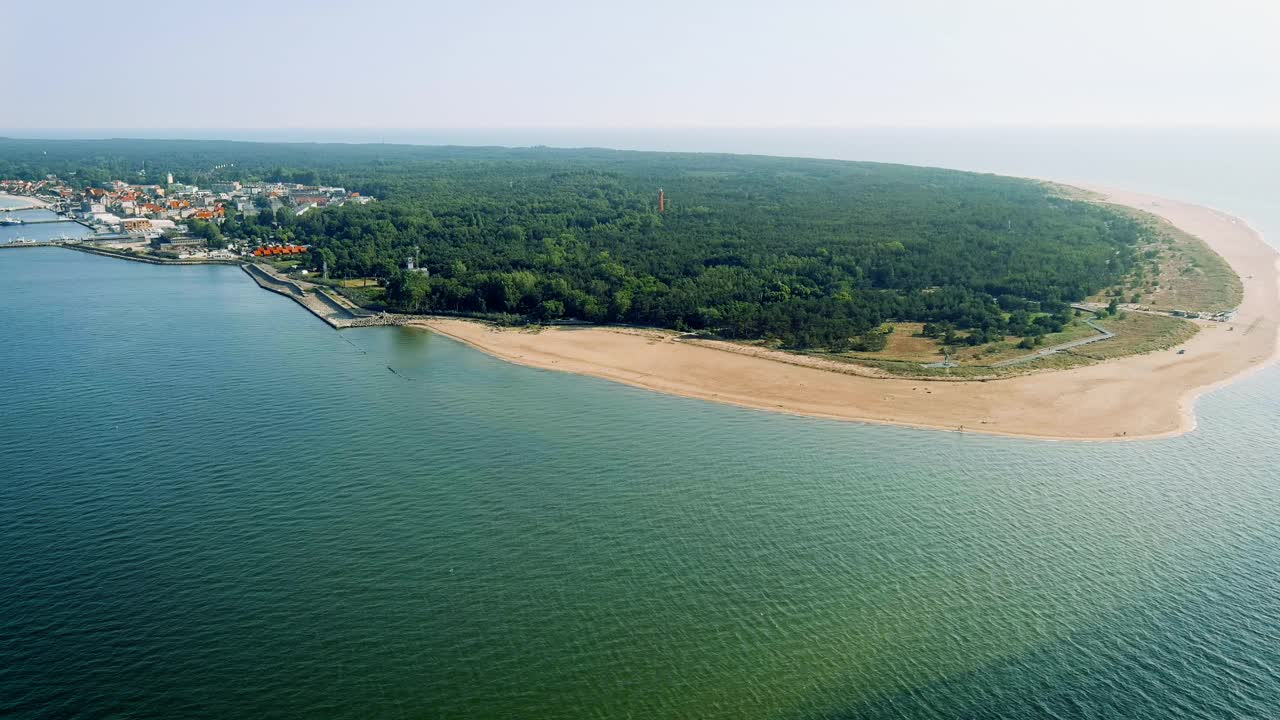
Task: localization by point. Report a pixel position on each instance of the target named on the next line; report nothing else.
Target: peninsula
(1140, 396)
(854, 291)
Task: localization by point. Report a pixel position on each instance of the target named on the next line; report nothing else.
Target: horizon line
(813, 126)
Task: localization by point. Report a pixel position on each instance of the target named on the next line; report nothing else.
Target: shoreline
(1135, 397)
(29, 202)
(1145, 396)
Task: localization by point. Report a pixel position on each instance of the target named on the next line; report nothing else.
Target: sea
(50, 226)
(214, 506)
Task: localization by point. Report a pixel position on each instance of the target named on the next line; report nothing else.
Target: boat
(9, 220)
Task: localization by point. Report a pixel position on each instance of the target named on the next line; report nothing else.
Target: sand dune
(1140, 396)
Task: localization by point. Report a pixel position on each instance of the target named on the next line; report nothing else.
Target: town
(174, 220)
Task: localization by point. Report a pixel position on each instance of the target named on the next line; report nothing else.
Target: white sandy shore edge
(1142, 396)
(23, 202)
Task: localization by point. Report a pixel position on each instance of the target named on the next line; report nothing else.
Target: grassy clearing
(280, 265)
(1008, 348)
(1138, 333)
(906, 345)
(1177, 271)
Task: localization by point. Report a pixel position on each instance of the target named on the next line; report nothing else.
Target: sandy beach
(20, 202)
(1142, 396)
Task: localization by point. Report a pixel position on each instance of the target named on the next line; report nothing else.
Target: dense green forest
(813, 253)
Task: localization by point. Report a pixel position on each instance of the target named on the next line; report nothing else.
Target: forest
(808, 253)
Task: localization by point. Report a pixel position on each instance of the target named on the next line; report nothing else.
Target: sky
(653, 64)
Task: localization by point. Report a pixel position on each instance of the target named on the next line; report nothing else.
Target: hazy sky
(660, 63)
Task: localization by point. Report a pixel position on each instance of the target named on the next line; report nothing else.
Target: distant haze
(664, 63)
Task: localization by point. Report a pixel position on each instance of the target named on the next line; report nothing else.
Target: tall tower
(662, 201)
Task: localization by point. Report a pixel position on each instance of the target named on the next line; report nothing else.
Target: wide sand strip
(1139, 396)
(23, 202)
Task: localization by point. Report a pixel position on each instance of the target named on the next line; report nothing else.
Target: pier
(60, 210)
(50, 221)
(24, 244)
(335, 311)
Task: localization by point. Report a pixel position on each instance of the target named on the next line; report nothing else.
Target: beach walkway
(1104, 334)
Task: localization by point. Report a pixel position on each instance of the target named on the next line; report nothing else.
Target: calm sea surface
(39, 232)
(212, 505)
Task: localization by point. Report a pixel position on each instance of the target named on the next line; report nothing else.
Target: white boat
(7, 219)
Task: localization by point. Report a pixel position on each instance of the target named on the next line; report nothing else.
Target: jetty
(334, 310)
(28, 244)
(50, 221)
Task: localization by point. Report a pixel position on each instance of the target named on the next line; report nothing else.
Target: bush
(870, 341)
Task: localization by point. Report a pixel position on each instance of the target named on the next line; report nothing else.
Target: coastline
(1135, 397)
(1146, 396)
(27, 202)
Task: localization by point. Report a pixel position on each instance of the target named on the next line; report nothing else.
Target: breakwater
(336, 312)
(149, 259)
(333, 311)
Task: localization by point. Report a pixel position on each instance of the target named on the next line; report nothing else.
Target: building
(213, 214)
(177, 245)
(279, 250)
(136, 225)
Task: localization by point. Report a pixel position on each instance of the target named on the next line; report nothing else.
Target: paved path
(1104, 334)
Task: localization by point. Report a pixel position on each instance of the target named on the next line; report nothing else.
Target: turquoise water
(212, 505)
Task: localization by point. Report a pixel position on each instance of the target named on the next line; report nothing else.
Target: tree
(210, 232)
(810, 253)
(322, 258)
(550, 310)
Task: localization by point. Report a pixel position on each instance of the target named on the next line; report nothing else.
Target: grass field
(357, 282)
(1139, 333)
(1178, 271)
(907, 345)
(280, 265)
(907, 352)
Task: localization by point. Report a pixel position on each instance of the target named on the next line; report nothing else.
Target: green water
(212, 505)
